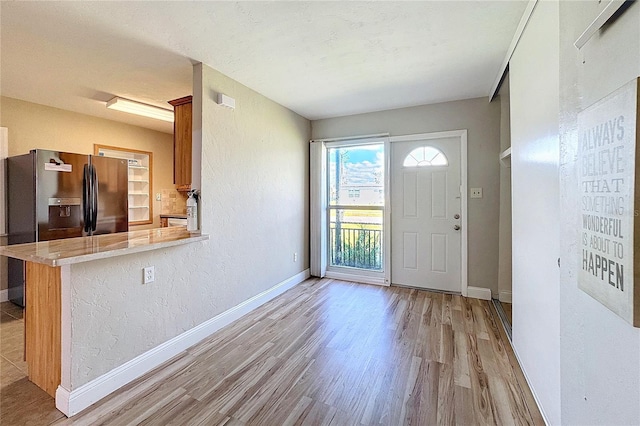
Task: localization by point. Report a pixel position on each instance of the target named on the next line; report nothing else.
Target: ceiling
(320, 59)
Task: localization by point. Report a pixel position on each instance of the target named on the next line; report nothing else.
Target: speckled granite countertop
(84, 249)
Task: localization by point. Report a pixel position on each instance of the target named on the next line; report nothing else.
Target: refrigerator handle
(94, 209)
(86, 191)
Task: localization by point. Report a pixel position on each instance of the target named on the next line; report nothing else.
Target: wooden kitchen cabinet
(182, 130)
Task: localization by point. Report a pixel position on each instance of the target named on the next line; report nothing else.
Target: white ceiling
(320, 59)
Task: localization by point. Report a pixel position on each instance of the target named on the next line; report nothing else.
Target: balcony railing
(357, 247)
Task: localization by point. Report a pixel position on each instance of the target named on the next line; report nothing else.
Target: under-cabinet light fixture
(133, 107)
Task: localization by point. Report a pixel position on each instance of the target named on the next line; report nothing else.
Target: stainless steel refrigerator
(55, 195)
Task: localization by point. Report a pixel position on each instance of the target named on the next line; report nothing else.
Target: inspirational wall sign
(610, 202)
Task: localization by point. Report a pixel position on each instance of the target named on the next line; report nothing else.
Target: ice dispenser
(65, 213)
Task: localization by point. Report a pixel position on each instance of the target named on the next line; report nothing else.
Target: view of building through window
(356, 206)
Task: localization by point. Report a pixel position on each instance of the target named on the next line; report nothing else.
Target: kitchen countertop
(175, 215)
(83, 249)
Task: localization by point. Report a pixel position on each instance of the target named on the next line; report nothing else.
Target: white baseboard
(73, 402)
(4, 295)
(479, 293)
(504, 296)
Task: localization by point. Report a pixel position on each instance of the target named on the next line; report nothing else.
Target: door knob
(456, 227)
(456, 216)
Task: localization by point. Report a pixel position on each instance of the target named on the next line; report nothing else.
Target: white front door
(426, 214)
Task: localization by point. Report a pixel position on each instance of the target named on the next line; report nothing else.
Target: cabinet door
(182, 130)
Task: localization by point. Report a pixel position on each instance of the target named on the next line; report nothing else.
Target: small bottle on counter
(192, 211)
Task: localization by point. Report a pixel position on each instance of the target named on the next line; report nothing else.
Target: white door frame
(462, 134)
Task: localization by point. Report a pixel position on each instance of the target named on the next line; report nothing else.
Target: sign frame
(609, 202)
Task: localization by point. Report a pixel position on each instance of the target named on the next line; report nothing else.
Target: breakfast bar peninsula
(68, 290)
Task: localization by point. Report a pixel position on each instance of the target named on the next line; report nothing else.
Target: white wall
(255, 207)
(255, 185)
(482, 120)
(534, 93)
(600, 352)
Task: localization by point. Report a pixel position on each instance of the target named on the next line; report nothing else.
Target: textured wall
(482, 119)
(115, 317)
(535, 206)
(600, 352)
(254, 206)
(37, 126)
(255, 186)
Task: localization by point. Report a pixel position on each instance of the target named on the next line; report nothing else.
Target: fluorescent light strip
(132, 107)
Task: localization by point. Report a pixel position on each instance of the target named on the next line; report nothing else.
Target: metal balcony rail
(356, 247)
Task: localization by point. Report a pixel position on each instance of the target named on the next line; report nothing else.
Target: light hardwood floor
(337, 353)
(21, 402)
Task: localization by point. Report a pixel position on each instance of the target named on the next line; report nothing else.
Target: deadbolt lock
(456, 216)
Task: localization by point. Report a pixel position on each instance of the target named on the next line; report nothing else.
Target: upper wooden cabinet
(182, 129)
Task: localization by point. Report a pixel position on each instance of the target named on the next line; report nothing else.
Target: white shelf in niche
(139, 169)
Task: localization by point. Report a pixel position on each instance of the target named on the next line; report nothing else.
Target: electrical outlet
(295, 257)
(149, 274)
(476, 192)
(158, 196)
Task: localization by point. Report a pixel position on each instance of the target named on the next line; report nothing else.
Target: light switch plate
(476, 192)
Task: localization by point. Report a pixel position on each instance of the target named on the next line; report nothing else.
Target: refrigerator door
(21, 201)
(110, 188)
(59, 194)
(21, 217)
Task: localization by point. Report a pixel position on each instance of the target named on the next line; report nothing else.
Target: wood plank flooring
(21, 402)
(336, 353)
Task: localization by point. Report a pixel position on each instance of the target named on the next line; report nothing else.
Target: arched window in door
(425, 156)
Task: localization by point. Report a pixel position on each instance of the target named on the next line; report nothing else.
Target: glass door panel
(356, 203)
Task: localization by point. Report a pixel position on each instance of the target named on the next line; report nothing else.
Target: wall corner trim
(505, 296)
(479, 293)
(73, 402)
